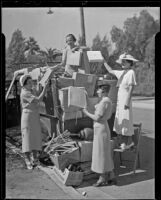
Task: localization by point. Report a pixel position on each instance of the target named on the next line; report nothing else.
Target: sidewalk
(34, 184)
(147, 104)
(42, 184)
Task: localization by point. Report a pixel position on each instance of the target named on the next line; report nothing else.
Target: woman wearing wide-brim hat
(30, 121)
(123, 124)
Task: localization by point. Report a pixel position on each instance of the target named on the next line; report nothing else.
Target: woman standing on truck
(71, 47)
(123, 124)
(102, 161)
(30, 121)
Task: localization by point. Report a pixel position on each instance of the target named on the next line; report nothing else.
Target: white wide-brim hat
(23, 78)
(126, 57)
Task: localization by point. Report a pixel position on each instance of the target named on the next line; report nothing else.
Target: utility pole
(83, 36)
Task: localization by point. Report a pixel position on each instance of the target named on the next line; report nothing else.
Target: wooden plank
(49, 105)
(56, 103)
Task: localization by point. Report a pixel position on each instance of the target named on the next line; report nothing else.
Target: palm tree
(32, 47)
(51, 54)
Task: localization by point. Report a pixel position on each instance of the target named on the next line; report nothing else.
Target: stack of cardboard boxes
(72, 97)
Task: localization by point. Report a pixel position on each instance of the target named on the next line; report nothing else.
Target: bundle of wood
(62, 148)
(62, 138)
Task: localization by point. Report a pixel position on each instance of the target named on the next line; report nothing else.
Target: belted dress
(30, 122)
(101, 156)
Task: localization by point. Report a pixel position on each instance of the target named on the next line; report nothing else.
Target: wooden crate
(85, 150)
(65, 82)
(68, 178)
(63, 160)
(85, 80)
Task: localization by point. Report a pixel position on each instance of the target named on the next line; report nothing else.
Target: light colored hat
(126, 57)
(23, 78)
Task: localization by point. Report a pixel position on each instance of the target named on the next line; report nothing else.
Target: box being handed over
(74, 58)
(95, 56)
(77, 97)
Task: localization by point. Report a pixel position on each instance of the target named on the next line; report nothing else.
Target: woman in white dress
(123, 124)
(70, 48)
(30, 120)
(102, 161)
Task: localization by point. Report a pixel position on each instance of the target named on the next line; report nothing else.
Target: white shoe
(123, 146)
(129, 146)
(28, 164)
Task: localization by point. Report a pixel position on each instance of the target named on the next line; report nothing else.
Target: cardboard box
(63, 97)
(77, 97)
(74, 58)
(68, 178)
(95, 56)
(65, 82)
(85, 150)
(63, 160)
(88, 81)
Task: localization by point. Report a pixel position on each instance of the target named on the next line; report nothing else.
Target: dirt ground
(25, 184)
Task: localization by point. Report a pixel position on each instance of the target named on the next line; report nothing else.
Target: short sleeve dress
(101, 156)
(68, 68)
(123, 123)
(30, 122)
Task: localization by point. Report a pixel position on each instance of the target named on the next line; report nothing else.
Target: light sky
(50, 30)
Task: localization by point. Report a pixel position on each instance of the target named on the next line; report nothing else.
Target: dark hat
(105, 87)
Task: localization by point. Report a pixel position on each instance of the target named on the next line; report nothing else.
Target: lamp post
(82, 27)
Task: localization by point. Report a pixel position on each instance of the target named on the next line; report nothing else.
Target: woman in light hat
(123, 124)
(102, 162)
(30, 121)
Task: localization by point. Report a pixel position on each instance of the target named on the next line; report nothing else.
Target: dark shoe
(112, 181)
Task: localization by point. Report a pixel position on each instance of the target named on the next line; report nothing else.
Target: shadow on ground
(125, 172)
